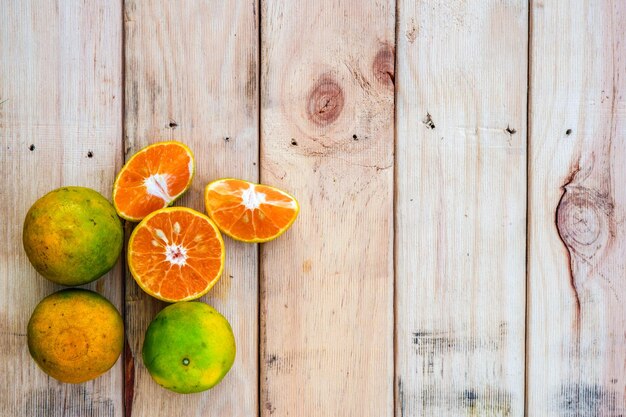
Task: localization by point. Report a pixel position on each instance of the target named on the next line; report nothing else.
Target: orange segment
(250, 212)
(176, 254)
(152, 179)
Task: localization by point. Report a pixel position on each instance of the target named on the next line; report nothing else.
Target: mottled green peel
(189, 347)
(72, 235)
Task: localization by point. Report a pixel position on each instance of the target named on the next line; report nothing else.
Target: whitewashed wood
(460, 208)
(577, 208)
(60, 95)
(327, 137)
(192, 76)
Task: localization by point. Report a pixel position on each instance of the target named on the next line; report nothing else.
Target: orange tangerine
(75, 335)
(176, 254)
(152, 179)
(250, 212)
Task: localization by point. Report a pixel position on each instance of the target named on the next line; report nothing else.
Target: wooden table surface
(461, 167)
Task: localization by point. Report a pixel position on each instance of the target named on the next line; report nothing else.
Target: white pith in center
(156, 185)
(176, 254)
(251, 198)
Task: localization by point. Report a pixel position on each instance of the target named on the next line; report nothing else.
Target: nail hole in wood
(428, 121)
(31, 147)
(355, 137)
(89, 154)
(293, 142)
(173, 124)
(510, 130)
(568, 132)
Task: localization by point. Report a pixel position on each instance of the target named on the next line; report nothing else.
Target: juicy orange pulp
(152, 179)
(250, 212)
(176, 254)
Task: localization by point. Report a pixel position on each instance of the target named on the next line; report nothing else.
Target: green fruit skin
(72, 235)
(189, 347)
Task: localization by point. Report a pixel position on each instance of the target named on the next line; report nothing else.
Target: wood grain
(327, 136)
(460, 208)
(60, 101)
(577, 207)
(192, 76)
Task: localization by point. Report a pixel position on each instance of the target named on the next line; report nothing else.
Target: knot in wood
(325, 101)
(582, 219)
(384, 66)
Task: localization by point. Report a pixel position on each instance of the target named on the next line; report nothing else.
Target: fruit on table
(249, 212)
(152, 179)
(189, 347)
(176, 254)
(72, 235)
(75, 335)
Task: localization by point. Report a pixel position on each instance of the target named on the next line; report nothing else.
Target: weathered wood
(327, 136)
(60, 101)
(192, 76)
(577, 205)
(460, 208)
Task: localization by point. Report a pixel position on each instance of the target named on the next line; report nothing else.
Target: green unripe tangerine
(72, 235)
(189, 347)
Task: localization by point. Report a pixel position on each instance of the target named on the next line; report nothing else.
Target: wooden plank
(61, 99)
(460, 208)
(191, 75)
(327, 136)
(577, 204)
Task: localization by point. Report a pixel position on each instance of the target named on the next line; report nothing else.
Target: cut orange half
(152, 179)
(176, 254)
(250, 212)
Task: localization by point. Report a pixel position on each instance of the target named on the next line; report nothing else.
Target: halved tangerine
(176, 254)
(152, 179)
(250, 212)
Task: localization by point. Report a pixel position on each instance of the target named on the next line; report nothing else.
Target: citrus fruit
(152, 179)
(249, 212)
(189, 347)
(72, 235)
(75, 335)
(176, 254)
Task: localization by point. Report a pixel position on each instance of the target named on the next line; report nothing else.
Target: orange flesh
(249, 212)
(152, 179)
(176, 254)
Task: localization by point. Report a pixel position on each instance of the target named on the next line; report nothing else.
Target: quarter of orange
(250, 212)
(152, 179)
(176, 254)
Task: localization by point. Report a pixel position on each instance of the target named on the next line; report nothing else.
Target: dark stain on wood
(269, 407)
(251, 85)
(401, 397)
(589, 400)
(470, 401)
(325, 101)
(129, 380)
(384, 66)
(431, 343)
(67, 401)
(271, 361)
